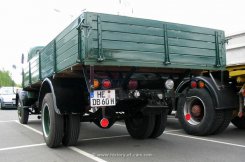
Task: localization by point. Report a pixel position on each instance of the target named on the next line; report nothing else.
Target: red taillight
(106, 83)
(132, 84)
(104, 122)
(193, 84)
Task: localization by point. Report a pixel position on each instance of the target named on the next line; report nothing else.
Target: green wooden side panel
(110, 40)
(67, 47)
(47, 60)
(140, 42)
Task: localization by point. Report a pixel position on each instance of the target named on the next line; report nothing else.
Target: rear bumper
(8, 105)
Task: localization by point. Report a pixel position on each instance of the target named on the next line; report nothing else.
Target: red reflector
(132, 84)
(193, 84)
(106, 83)
(188, 117)
(104, 123)
(201, 84)
(243, 92)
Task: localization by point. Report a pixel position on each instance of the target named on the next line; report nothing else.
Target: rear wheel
(160, 124)
(224, 121)
(52, 123)
(71, 129)
(23, 113)
(198, 116)
(140, 126)
(239, 122)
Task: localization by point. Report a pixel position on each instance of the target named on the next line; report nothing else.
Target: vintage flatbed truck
(236, 68)
(103, 68)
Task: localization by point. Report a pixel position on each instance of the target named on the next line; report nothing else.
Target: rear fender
(68, 95)
(224, 97)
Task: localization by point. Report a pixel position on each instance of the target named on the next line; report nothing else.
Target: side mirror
(22, 58)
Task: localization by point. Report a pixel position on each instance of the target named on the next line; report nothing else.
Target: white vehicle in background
(8, 97)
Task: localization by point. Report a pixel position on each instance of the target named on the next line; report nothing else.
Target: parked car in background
(8, 97)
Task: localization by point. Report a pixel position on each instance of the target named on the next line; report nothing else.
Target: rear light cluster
(105, 83)
(133, 84)
(197, 84)
(243, 92)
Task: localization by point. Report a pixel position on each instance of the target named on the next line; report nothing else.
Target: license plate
(102, 98)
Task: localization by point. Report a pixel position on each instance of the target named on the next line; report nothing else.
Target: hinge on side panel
(100, 49)
(82, 26)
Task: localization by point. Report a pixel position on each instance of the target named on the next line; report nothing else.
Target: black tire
(210, 121)
(225, 121)
(23, 113)
(160, 124)
(71, 130)
(140, 126)
(52, 123)
(239, 122)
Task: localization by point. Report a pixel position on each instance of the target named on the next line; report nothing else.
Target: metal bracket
(82, 25)
(217, 51)
(100, 49)
(166, 49)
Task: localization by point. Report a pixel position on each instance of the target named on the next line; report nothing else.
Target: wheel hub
(46, 121)
(196, 110)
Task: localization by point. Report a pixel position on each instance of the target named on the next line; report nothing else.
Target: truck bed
(119, 43)
(236, 56)
(236, 49)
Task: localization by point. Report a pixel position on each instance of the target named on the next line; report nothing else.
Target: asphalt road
(25, 143)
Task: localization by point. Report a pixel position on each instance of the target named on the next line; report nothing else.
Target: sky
(28, 23)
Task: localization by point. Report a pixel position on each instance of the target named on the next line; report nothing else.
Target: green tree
(5, 79)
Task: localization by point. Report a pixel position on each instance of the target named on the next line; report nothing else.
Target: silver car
(7, 97)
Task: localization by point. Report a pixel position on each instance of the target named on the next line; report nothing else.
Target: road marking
(24, 146)
(204, 139)
(91, 156)
(89, 139)
(173, 118)
(7, 121)
(37, 131)
(173, 130)
(72, 148)
(121, 125)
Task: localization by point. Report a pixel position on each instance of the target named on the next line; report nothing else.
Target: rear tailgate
(126, 41)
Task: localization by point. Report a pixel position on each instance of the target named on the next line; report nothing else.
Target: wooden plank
(130, 46)
(67, 30)
(70, 36)
(191, 51)
(128, 37)
(122, 55)
(191, 43)
(191, 36)
(70, 52)
(67, 46)
(126, 28)
(66, 63)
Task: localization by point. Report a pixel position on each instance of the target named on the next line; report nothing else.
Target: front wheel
(52, 123)
(23, 113)
(140, 126)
